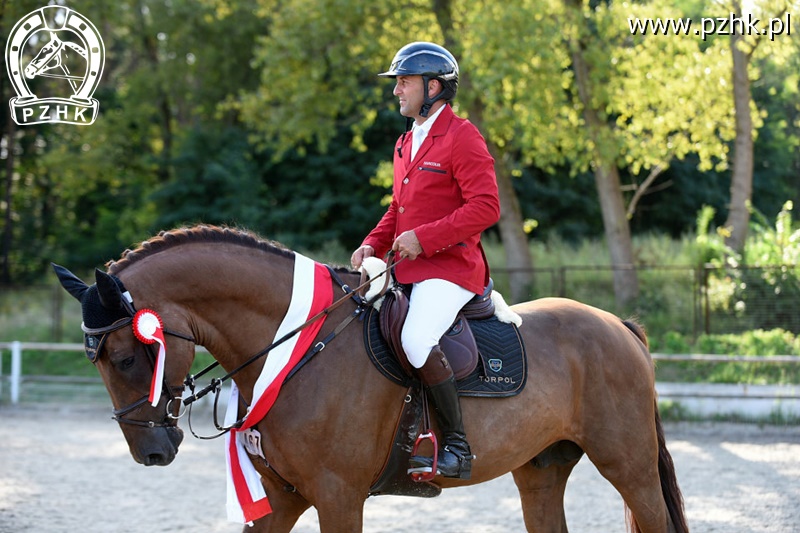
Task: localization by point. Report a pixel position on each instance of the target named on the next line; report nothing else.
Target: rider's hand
(407, 245)
(360, 254)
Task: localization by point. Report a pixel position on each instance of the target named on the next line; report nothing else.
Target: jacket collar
(439, 128)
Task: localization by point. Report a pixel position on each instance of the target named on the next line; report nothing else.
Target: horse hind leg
(644, 476)
(541, 484)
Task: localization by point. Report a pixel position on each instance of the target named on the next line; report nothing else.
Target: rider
(444, 196)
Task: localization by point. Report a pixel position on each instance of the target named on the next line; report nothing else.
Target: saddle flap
(458, 344)
(393, 313)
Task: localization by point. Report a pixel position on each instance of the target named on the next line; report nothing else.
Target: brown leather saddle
(458, 344)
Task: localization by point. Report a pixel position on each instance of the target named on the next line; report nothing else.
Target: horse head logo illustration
(59, 32)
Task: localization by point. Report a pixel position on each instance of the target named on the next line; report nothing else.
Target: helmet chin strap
(427, 101)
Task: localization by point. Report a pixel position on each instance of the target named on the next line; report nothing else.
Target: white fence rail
(700, 397)
(16, 377)
(16, 348)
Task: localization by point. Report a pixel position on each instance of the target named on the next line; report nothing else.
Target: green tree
(319, 72)
(88, 191)
(746, 48)
(269, 114)
(547, 82)
(603, 99)
(12, 142)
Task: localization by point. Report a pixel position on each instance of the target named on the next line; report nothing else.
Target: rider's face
(410, 94)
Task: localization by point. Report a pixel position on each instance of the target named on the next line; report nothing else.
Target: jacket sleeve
(382, 237)
(473, 169)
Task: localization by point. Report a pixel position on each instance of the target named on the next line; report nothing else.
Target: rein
(216, 383)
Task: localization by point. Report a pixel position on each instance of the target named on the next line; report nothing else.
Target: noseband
(92, 342)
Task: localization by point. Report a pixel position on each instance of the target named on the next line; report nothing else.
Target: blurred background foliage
(268, 114)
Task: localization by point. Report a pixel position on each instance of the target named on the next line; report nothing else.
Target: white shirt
(420, 131)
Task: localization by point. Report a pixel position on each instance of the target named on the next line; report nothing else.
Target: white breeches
(432, 309)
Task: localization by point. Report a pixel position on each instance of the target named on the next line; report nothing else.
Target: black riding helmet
(430, 61)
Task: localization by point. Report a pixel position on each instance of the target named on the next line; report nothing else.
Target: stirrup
(425, 473)
(460, 466)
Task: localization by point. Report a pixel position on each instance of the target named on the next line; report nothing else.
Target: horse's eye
(127, 363)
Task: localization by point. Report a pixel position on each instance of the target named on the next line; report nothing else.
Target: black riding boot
(455, 457)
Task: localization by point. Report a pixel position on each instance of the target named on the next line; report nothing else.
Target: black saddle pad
(501, 372)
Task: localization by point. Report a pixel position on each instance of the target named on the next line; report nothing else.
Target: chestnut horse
(590, 389)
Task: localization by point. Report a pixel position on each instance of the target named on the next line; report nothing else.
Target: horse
(325, 440)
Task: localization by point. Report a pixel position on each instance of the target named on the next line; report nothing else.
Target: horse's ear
(108, 290)
(72, 283)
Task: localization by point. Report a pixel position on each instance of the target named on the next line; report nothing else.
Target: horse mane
(201, 233)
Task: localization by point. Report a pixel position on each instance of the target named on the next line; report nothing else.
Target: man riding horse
(444, 196)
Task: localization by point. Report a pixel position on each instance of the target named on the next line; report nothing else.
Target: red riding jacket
(448, 196)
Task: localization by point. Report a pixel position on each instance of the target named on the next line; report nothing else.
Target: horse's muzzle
(159, 448)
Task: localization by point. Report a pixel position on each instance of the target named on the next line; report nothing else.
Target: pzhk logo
(55, 42)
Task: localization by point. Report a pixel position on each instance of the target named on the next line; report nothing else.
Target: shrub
(759, 289)
(756, 342)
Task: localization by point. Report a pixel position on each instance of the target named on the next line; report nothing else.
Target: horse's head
(128, 366)
(48, 57)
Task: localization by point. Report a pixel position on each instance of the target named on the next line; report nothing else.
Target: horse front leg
(287, 507)
(339, 503)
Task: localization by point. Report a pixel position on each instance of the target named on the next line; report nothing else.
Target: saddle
(502, 373)
(458, 344)
(483, 331)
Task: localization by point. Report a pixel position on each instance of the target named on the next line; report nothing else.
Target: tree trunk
(161, 98)
(515, 242)
(5, 254)
(618, 234)
(612, 203)
(742, 173)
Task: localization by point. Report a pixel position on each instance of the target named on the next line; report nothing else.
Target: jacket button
(405, 181)
(402, 210)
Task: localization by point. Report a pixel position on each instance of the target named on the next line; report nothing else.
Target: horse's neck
(233, 299)
(81, 51)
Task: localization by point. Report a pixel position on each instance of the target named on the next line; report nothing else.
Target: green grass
(754, 373)
(42, 313)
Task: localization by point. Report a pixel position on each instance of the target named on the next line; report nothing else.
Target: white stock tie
(416, 141)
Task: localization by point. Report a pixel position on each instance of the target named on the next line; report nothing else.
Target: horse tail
(666, 468)
(669, 482)
(638, 330)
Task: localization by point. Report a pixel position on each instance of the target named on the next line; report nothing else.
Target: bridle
(96, 344)
(170, 419)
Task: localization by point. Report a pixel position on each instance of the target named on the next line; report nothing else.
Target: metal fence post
(16, 370)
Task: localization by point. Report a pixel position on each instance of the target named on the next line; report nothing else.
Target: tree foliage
(269, 114)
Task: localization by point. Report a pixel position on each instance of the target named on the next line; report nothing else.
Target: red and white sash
(311, 293)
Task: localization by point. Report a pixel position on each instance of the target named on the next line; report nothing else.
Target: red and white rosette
(148, 328)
